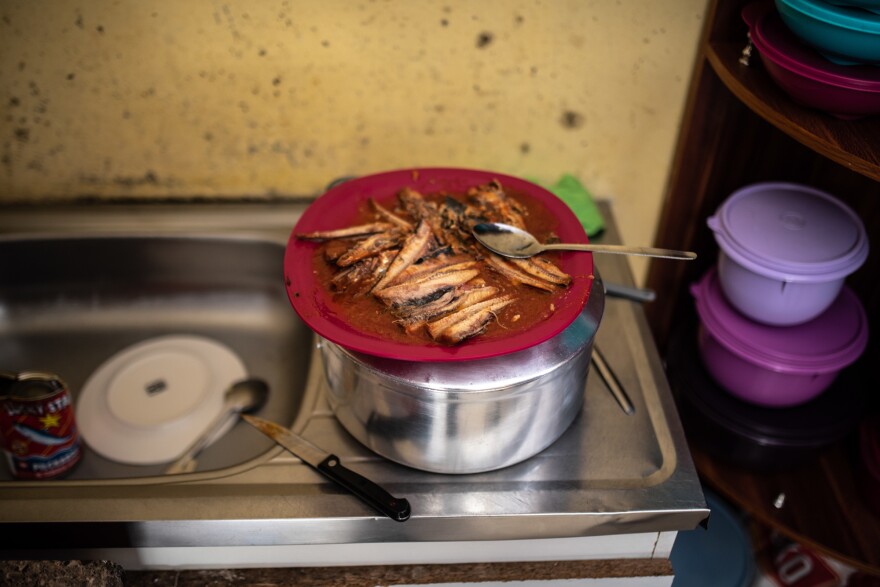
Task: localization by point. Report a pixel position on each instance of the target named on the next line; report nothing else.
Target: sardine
(335, 248)
(543, 269)
(515, 275)
(475, 295)
(418, 316)
(496, 206)
(433, 267)
(414, 247)
(360, 277)
(413, 317)
(457, 219)
(351, 231)
(389, 216)
(414, 204)
(411, 293)
(372, 245)
(468, 321)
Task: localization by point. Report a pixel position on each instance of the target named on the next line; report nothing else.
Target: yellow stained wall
(180, 98)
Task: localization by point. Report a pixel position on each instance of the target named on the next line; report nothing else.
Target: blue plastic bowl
(844, 35)
(872, 5)
(720, 555)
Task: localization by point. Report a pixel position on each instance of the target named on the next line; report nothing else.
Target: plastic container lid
(776, 42)
(829, 342)
(790, 232)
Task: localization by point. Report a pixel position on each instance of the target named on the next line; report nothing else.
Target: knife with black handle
(329, 465)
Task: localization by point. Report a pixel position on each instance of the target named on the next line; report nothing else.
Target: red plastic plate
(338, 208)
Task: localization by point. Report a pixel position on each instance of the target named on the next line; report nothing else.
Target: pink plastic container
(776, 366)
(844, 91)
(785, 250)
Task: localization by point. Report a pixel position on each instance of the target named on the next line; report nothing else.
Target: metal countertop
(610, 473)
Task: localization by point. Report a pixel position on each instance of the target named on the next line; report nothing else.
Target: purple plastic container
(844, 91)
(753, 436)
(773, 366)
(785, 250)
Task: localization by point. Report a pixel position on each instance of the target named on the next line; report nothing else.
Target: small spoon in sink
(510, 241)
(247, 395)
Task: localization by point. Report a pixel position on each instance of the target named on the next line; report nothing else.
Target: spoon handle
(624, 250)
(186, 463)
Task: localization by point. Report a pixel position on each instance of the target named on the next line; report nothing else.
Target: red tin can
(37, 427)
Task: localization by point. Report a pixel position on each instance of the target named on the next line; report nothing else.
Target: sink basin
(69, 303)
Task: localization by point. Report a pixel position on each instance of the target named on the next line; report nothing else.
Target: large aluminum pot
(465, 417)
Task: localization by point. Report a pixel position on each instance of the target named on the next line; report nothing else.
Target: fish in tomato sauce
(409, 269)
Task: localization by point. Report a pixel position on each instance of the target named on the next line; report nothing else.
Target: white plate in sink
(147, 403)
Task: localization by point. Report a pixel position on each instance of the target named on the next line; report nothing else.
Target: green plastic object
(571, 191)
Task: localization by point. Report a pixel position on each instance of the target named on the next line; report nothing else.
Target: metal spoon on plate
(247, 395)
(510, 241)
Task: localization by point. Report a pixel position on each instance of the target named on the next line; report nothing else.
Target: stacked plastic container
(777, 324)
(822, 53)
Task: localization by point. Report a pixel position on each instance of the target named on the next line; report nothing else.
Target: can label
(39, 433)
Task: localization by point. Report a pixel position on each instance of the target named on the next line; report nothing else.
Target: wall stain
(484, 39)
(571, 119)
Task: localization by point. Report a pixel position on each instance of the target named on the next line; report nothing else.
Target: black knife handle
(395, 508)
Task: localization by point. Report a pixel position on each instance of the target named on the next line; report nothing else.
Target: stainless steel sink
(79, 283)
(68, 303)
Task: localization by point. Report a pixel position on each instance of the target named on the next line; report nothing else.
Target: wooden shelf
(739, 127)
(821, 509)
(824, 506)
(854, 144)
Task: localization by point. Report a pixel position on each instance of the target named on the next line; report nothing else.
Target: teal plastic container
(844, 35)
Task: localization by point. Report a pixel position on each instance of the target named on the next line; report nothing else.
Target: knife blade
(329, 465)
